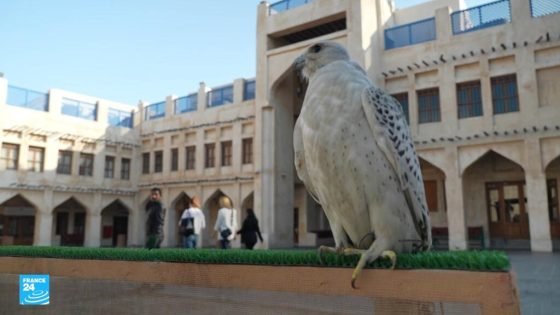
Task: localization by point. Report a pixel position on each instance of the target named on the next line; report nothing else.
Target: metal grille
(428, 106)
(544, 7)
(402, 98)
(469, 99)
(504, 94)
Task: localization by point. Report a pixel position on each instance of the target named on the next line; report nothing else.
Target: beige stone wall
(528, 138)
(54, 131)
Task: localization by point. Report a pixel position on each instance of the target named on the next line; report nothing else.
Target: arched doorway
(280, 182)
(247, 204)
(17, 221)
(552, 178)
(495, 186)
(434, 188)
(114, 224)
(180, 203)
(69, 223)
(210, 210)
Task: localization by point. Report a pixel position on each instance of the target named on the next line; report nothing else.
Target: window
(158, 161)
(504, 94)
(428, 106)
(209, 155)
(402, 98)
(146, 163)
(469, 99)
(186, 104)
(10, 156)
(190, 152)
(226, 153)
(154, 111)
(86, 164)
(64, 162)
(79, 109)
(220, 96)
(109, 166)
(125, 168)
(430, 188)
(247, 153)
(552, 192)
(249, 90)
(119, 118)
(35, 159)
(174, 159)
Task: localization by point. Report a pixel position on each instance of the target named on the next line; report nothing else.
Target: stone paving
(538, 280)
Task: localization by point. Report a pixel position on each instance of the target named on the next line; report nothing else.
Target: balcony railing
(410, 34)
(285, 5)
(28, 98)
(119, 118)
(79, 109)
(544, 7)
(483, 16)
(187, 103)
(220, 96)
(249, 90)
(154, 111)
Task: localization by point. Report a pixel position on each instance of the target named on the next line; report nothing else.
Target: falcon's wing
(299, 161)
(385, 117)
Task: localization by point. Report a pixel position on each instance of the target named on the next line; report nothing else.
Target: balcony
(410, 34)
(285, 5)
(480, 17)
(28, 98)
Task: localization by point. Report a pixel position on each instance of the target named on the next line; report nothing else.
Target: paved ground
(538, 280)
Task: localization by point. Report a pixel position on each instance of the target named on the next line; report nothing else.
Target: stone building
(478, 85)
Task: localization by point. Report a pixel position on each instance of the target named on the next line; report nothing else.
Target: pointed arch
(115, 224)
(469, 155)
(17, 218)
(181, 202)
(247, 203)
(497, 200)
(210, 209)
(69, 222)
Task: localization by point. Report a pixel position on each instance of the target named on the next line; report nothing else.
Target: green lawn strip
(457, 260)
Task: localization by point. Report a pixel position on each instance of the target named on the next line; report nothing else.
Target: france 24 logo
(34, 290)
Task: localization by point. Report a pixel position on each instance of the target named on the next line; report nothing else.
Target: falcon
(354, 153)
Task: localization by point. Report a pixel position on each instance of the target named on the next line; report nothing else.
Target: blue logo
(34, 290)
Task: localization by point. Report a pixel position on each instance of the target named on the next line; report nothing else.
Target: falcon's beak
(299, 63)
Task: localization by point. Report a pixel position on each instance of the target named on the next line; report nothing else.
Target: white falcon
(355, 155)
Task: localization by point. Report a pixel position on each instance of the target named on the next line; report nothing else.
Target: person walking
(226, 223)
(250, 230)
(156, 218)
(191, 223)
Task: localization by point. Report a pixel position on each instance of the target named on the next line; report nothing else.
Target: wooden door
(507, 214)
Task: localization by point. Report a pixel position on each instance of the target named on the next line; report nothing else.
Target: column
(537, 199)
(43, 228)
(93, 223)
(456, 221)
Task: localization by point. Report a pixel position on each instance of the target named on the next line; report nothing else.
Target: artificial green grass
(457, 260)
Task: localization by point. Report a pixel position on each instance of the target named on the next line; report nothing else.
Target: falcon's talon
(392, 256)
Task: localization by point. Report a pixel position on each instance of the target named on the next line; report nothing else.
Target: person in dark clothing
(250, 230)
(156, 218)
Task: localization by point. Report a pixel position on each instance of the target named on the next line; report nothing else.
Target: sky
(130, 50)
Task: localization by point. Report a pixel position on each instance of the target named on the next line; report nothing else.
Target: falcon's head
(319, 55)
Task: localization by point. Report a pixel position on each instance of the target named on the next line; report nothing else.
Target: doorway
(507, 212)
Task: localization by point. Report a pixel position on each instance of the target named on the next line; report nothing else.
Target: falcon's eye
(316, 48)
